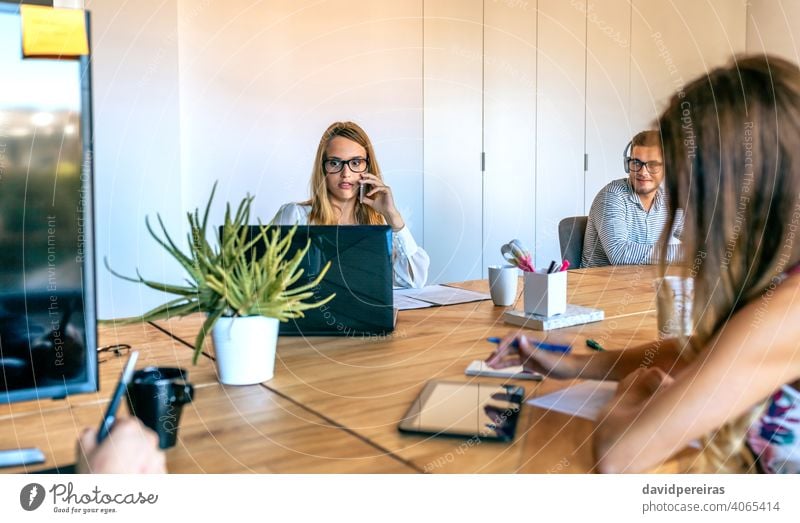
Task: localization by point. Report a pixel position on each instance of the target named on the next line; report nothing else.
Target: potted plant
(244, 294)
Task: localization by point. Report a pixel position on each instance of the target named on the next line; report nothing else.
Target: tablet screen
(465, 409)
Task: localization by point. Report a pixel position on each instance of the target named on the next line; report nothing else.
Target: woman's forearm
(615, 365)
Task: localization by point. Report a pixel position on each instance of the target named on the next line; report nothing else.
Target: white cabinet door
(509, 132)
(452, 64)
(561, 63)
(674, 42)
(608, 125)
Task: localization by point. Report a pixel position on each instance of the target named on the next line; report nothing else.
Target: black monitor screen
(47, 324)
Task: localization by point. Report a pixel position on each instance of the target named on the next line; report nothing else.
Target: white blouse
(409, 261)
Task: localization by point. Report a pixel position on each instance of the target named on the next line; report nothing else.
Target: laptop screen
(360, 276)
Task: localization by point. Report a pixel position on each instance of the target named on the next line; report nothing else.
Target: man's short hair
(647, 139)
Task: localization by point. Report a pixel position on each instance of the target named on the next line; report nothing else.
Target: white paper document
(441, 295)
(406, 303)
(584, 400)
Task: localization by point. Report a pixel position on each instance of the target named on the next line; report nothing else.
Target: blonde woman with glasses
(346, 162)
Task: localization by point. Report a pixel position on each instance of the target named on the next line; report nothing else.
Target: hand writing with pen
(534, 356)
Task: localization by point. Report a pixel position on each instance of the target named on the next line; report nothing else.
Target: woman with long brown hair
(345, 162)
(731, 143)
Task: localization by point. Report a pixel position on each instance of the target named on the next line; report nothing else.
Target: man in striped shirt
(629, 214)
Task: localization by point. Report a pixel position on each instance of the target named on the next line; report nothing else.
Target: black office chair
(570, 236)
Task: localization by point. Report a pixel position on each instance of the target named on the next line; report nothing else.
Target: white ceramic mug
(503, 284)
(674, 295)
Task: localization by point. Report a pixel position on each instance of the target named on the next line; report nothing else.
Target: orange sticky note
(55, 33)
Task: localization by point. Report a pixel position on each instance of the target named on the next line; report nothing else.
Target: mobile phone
(20, 457)
(363, 189)
(122, 386)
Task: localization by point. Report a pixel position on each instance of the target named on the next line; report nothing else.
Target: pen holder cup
(545, 294)
(156, 395)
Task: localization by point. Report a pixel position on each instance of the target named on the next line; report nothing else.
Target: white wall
(674, 42)
(260, 82)
(137, 146)
(773, 26)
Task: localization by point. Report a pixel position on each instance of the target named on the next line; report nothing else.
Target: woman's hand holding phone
(379, 196)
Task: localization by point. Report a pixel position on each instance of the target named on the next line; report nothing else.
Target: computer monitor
(48, 346)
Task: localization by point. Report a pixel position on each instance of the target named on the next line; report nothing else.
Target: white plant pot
(245, 349)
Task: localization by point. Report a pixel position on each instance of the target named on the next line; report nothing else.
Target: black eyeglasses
(109, 352)
(635, 165)
(336, 165)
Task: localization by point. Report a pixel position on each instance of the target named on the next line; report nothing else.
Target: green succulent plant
(231, 279)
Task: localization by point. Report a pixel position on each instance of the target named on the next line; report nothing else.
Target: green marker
(594, 345)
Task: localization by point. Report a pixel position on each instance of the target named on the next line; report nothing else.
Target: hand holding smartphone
(362, 190)
(116, 399)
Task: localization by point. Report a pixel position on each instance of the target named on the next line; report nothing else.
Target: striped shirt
(621, 232)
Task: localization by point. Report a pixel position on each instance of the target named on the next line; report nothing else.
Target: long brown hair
(322, 212)
(731, 143)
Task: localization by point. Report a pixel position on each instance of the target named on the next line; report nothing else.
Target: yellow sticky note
(56, 33)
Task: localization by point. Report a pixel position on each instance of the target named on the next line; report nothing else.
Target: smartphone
(20, 457)
(362, 190)
(116, 399)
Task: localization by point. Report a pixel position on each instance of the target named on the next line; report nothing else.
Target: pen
(594, 345)
(564, 265)
(550, 347)
(552, 267)
(116, 399)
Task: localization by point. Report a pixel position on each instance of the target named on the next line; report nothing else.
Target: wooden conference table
(334, 403)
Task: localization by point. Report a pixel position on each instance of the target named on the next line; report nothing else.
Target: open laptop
(360, 275)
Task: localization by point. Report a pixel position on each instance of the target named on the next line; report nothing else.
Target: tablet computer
(447, 408)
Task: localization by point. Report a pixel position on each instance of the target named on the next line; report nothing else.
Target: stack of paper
(405, 303)
(585, 400)
(433, 295)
